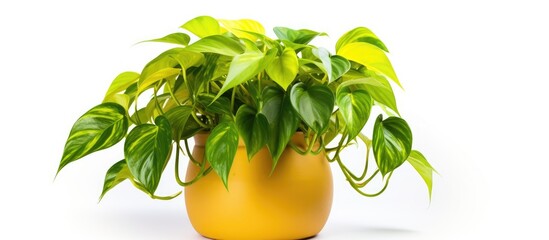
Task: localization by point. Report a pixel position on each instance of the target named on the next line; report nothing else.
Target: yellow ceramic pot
(292, 203)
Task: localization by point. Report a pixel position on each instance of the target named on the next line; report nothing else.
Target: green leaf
(243, 68)
(242, 28)
(422, 166)
(340, 66)
(217, 44)
(147, 150)
(120, 99)
(221, 105)
(253, 126)
(221, 148)
(324, 56)
(191, 128)
(355, 105)
(377, 86)
(283, 121)
(178, 117)
(122, 82)
(360, 34)
(115, 175)
(302, 36)
(371, 57)
(284, 68)
(157, 76)
(202, 26)
(392, 143)
(101, 127)
(162, 61)
(187, 59)
(175, 38)
(314, 105)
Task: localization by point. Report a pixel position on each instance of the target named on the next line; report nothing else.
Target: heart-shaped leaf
(202, 26)
(175, 38)
(101, 127)
(324, 56)
(284, 68)
(302, 36)
(354, 105)
(422, 166)
(360, 34)
(147, 150)
(392, 143)
(178, 117)
(370, 56)
(314, 105)
(221, 148)
(221, 105)
(253, 126)
(157, 76)
(282, 119)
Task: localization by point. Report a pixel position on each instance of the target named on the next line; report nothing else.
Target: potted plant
(267, 116)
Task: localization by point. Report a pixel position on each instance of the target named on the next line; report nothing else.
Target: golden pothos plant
(236, 82)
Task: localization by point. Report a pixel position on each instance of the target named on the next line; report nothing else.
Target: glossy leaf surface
(284, 68)
(101, 127)
(360, 34)
(221, 148)
(354, 105)
(217, 44)
(253, 127)
(314, 105)
(116, 174)
(147, 150)
(370, 56)
(243, 28)
(178, 117)
(202, 26)
(302, 36)
(392, 143)
(122, 82)
(282, 119)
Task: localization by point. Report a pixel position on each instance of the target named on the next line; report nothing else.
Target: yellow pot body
(292, 203)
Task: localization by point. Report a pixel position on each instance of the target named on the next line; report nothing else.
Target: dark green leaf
(221, 148)
(101, 127)
(392, 143)
(122, 82)
(147, 150)
(178, 117)
(202, 26)
(283, 121)
(175, 38)
(221, 105)
(191, 128)
(422, 166)
(217, 44)
(115, 175)
(254, 129)
(354, 105)
(314, 105)
(360, 34)
(302, 36)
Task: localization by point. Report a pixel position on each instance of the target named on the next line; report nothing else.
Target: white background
(475, 77)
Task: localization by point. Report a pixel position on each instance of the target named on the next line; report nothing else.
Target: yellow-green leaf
(115, 175)
(360, 34)
(354, 105)
(202, 26)
(241, 27)
(217, 44)
(422, 166)
(284, 68)
(122, 82)
(370, 56)
(175, 38)
(157, 76)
